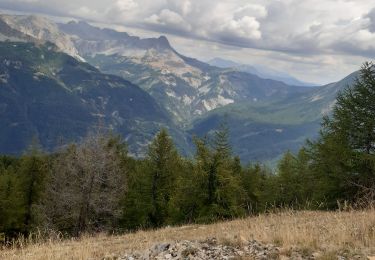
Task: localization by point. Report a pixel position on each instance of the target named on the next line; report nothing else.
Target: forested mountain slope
(52, 96)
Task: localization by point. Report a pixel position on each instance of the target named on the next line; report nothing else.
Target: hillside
(288, 235)
(262, 131)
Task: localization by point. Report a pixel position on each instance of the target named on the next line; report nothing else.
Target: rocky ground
(211, 249)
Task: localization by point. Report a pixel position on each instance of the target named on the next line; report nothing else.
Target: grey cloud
(169, 19)
(292, 27)
(32, 7)
(371, 17)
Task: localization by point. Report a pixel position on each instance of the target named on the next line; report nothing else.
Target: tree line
(96, 186)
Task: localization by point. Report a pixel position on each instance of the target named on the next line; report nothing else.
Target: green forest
(97, 186)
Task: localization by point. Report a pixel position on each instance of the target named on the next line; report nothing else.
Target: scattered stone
(212, 249)
(208, 249)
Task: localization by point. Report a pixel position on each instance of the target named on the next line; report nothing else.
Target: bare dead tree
(86, 186)
(365, 197)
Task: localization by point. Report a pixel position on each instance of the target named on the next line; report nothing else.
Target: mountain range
(58, 81)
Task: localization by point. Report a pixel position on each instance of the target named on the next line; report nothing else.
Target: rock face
(33, 28)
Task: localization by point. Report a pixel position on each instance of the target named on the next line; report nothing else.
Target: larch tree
(86, 186)
(164, 166)
(344, 155)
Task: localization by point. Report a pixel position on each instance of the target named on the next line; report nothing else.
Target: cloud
(169, 19)
(222, 21)
(121, 11)
(294, 30)
(371, 17)
(297, 27)
(27, 1)
(245, 28)
(253, 10)
(84, 11)
(184, 7)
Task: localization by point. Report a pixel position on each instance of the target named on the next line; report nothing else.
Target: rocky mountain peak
(40, 29)
(163, 42)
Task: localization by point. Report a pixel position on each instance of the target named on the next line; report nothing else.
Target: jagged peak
(29, 20)
(88, 31)
(164, 40)
(160, 43)
(35, 28)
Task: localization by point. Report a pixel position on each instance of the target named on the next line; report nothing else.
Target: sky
(318, 41)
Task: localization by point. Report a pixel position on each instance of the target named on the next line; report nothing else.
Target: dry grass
(327, 232)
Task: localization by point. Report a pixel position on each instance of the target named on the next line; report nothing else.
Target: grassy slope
(326, 232)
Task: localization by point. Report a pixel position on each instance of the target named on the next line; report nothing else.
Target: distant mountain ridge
(86, 34)
(260, 71)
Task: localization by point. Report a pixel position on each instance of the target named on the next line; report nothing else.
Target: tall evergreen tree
(12, 206)
(164, 162)
(32, 172)
(344, 156)
(224, 195)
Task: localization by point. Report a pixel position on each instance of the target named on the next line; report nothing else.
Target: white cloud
(85, 11)
(292, 31)
(170, 19)
(121, 11)
(126, 5)
(304, 27)
(184, 7)
(245, 27)
(253, 10)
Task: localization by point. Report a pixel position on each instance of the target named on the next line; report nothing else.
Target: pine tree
(12, 206)
(137, 202)
(253, 180)
(289, 182)
(32, 175)
(224, 195)
(221, 144)
(164, 163)
(344, 156)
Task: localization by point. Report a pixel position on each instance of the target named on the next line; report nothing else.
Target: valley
(266, 117)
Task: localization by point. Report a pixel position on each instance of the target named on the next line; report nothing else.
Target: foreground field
(329, 234)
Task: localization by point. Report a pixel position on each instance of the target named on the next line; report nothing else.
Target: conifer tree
(344, 156)
(164, 163)
(12, 213)
(224, 194)
(32, 175)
